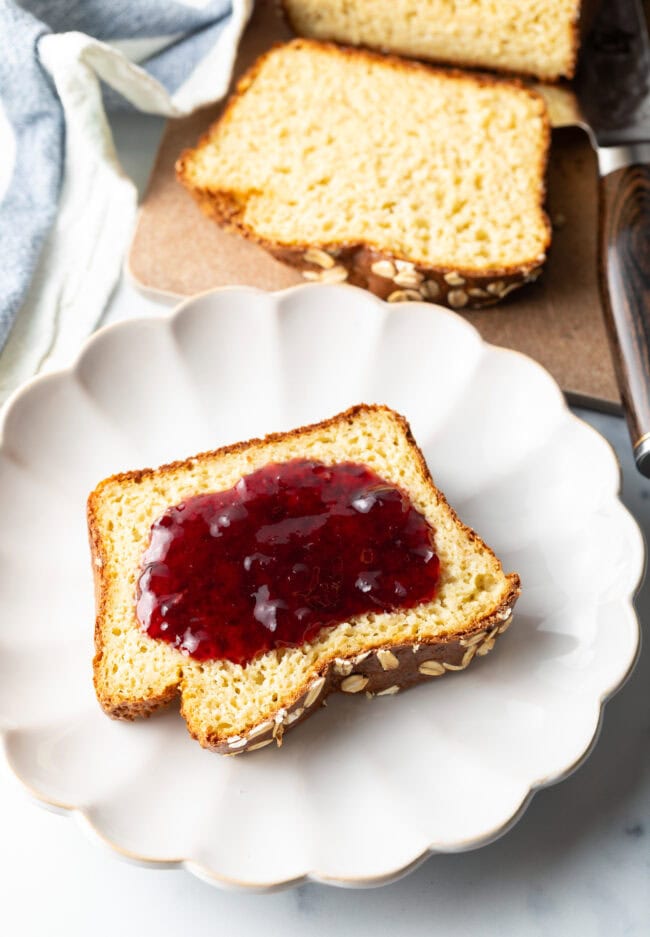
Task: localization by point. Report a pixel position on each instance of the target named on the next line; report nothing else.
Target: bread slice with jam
(252, 647)
(412, 182)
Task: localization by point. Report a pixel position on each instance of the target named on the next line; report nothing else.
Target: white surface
(471, 747)
(576, 864)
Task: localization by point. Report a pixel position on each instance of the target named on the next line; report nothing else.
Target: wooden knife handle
(625, 285)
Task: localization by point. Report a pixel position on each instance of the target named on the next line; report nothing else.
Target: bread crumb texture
(220, 700)
(536, 37)
(325, 147)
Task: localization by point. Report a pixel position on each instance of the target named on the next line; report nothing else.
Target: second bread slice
(412, 182)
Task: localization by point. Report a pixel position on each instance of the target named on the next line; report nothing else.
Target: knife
(613, 91)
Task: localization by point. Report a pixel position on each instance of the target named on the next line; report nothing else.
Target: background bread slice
(230, 708)
(413, 182)
(532, 37)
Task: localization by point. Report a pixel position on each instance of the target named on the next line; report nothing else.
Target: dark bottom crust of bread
(399, 281)
(381, 671)
(391, 278)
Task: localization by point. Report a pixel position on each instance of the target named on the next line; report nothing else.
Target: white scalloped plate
(365, 789)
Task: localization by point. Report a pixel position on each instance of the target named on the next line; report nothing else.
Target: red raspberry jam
(292, 548)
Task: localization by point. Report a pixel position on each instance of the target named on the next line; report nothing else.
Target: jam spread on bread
(292, 548)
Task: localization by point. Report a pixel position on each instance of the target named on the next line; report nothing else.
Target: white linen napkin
(66, 207)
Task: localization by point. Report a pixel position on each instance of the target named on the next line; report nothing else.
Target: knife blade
(612, 87)
(613, 80)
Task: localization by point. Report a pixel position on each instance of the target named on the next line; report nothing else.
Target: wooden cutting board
(178, 252)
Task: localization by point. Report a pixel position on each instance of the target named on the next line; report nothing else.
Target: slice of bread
(533, 38)
(412, 182)
(230, 708)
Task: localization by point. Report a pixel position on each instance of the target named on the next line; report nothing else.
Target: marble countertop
(577, 863)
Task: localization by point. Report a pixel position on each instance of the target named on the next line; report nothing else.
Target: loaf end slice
(231, 708)
(412, 182)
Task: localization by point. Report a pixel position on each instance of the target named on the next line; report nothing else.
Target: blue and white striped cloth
(66, 208)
